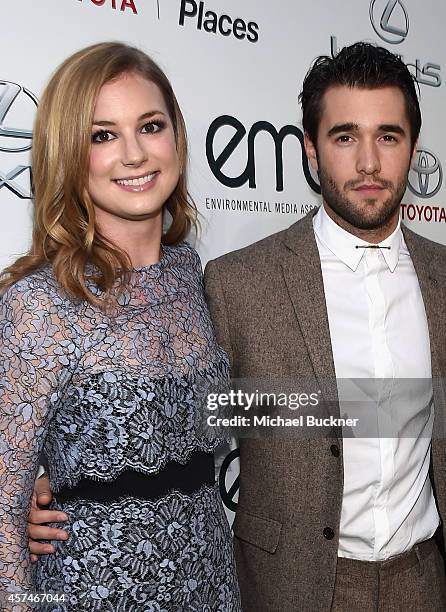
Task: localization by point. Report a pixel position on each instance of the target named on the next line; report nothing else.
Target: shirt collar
(343, 244)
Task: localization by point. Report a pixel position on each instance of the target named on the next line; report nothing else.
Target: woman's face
(134, 166)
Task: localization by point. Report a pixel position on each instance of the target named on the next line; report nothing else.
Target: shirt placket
(384, 373)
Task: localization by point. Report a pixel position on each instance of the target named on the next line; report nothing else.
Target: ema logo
(248, 175)
(390, 20)
(209, 21)
(228, 494)
(426, 177)
(17, 106)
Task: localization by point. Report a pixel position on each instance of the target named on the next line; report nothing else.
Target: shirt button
(335, 450)
(328, 533)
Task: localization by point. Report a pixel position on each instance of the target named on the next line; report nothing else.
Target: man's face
(363, 154)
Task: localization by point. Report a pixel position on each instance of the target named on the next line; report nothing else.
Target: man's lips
(369, 187)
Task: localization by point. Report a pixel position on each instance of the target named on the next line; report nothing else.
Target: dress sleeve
(37, 358)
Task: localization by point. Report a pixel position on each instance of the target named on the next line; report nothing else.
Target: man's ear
(311, 152)
(414, 154)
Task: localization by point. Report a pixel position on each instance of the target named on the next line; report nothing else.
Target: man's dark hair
(360, 65)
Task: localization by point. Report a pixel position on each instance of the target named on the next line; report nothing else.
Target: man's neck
(372, 236)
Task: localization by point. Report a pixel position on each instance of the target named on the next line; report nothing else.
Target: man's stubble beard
(354, 214)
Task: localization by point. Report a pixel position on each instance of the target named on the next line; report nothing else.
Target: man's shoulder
(429, 249)
(267, 250)
(250, 254)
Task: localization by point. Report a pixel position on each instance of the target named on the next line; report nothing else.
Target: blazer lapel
(303, 279)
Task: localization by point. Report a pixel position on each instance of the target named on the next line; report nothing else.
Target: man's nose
(368, 161)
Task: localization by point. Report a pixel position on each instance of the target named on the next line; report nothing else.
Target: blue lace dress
(114, 403)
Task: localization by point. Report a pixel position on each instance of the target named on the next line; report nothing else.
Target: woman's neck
(141, 240)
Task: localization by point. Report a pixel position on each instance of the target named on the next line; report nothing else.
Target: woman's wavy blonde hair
(64, 232)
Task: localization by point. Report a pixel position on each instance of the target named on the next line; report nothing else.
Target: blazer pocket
(257, 530)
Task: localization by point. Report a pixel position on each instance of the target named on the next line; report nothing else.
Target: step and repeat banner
(237, 69)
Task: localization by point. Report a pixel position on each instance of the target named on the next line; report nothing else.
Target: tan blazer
(268, 307)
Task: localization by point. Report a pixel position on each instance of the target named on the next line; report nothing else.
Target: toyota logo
(390, 20)
(13, 96)
(427, 176)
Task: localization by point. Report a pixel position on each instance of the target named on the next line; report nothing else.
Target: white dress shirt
(380, 339)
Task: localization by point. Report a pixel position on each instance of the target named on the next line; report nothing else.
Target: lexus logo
(8, 180)
(427, 176)
(13, 140)
(390, 20)
(17, 105)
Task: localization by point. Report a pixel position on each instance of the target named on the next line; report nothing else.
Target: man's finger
(40, 532)
(37, 548)
(39, 517)
(42, 486)
(43, 499)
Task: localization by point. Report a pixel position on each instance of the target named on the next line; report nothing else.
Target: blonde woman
(107, 349)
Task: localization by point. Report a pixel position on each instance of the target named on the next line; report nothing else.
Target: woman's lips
(138, 185)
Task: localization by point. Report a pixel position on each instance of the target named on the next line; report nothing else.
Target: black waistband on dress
(188, 478)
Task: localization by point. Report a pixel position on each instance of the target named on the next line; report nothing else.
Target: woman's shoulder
(184, 253)
(39, 289)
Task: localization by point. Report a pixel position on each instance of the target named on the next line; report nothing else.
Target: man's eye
(102, 136)
(343, 138)
(389, 138)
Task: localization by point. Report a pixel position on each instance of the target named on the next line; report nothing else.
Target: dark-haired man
(330, 523)
(344, 524)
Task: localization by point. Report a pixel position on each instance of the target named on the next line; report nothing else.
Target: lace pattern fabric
(133, 555)
(113, 421)
(104, 394)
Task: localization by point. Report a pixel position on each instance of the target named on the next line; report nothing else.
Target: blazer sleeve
(216, 300)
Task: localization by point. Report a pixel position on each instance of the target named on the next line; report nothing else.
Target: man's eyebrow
(340, 128)
(343, 127)
(147, 115)
(395, 128)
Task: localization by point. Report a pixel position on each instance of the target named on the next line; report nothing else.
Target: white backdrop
(232, 64)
